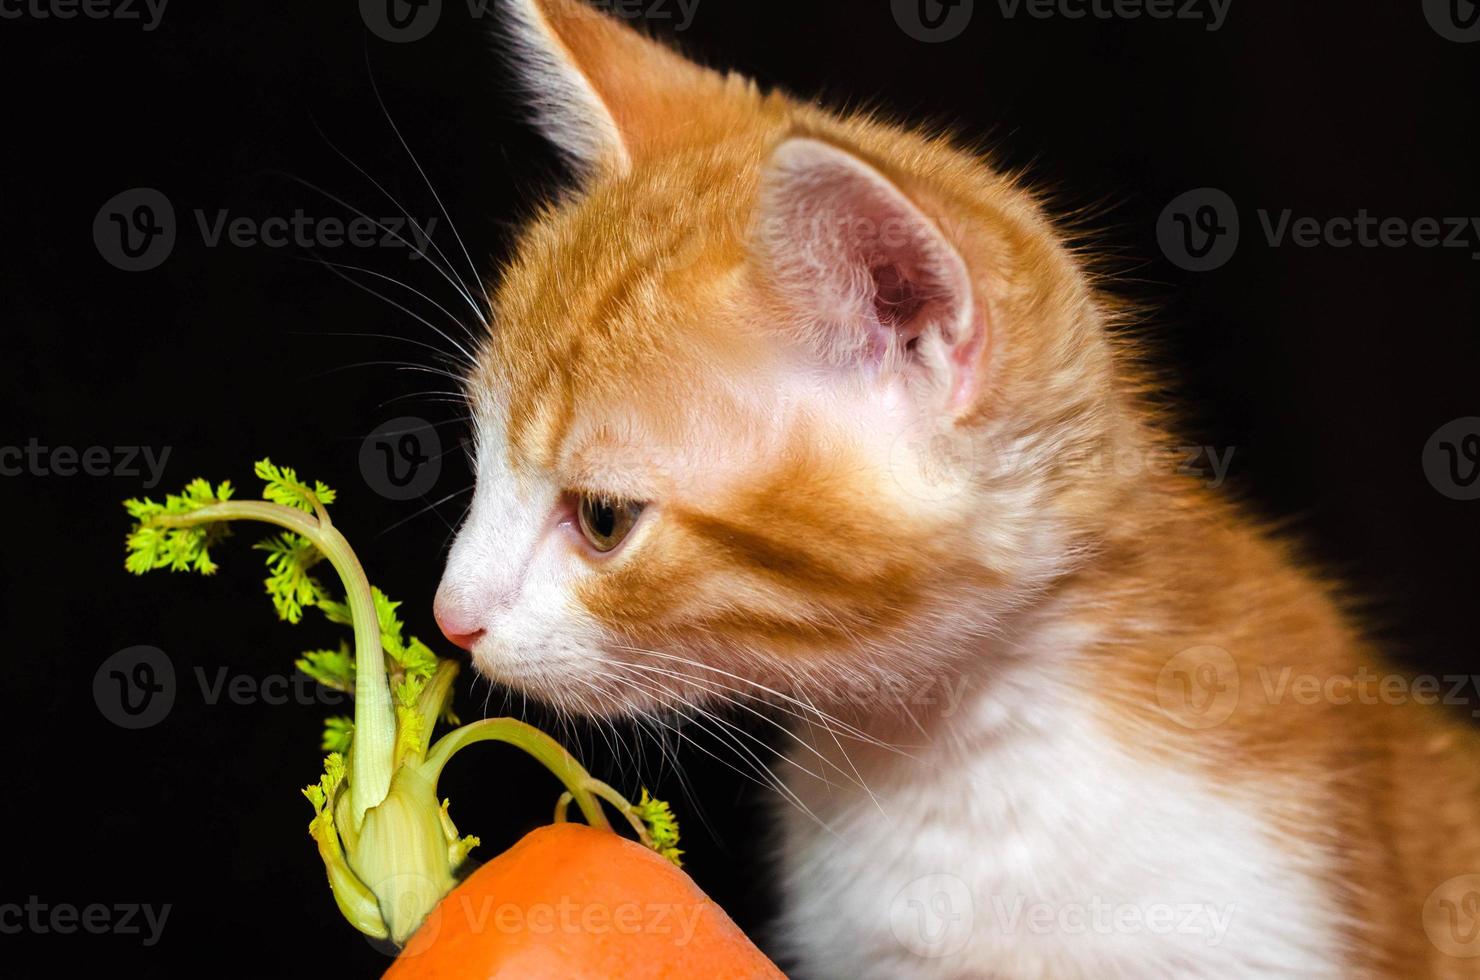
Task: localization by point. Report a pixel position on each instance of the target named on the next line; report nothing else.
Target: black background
(1325, 369)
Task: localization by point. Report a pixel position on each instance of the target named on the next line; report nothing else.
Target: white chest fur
(1028, 843)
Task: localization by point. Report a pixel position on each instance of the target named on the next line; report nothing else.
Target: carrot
(569, 902)
(391, 851)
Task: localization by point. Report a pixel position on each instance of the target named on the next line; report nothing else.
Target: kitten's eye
(604, 521)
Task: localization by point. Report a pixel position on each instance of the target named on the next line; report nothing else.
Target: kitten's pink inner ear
(870, 276)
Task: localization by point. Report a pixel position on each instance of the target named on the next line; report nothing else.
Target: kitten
(821, 409)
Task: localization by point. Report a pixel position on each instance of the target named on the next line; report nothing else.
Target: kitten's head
(781, 398)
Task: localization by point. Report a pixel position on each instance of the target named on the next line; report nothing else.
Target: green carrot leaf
(339, 732)
(289, 558)
(284, 487)
(153, 544)
(662, 826)
(335, 669)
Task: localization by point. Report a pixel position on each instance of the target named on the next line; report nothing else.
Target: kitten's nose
(458, 619)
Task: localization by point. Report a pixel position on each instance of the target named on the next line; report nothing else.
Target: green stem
(373, 750)
(548, 752)
(623, 806)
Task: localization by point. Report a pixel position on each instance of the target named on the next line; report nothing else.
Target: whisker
(452, 359)
(848, 759)
(449, 397)
(465, 355)
(712, 716)
(455, 284)
(334, 267)
(724, 694)
(398, 365)
(375, 87)
(843, 726)
(461, 285)
(767, 776)
(431, 506)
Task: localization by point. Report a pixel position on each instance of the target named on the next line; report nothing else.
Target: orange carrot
(570, 901)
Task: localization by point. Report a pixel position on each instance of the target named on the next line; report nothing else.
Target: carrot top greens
(390, 848)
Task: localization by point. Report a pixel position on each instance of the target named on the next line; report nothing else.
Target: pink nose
(457, 618)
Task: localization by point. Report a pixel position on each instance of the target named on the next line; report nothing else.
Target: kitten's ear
(869, 278)
(600, 91)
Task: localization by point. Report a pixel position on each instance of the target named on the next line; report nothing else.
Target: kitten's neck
(1018, 682)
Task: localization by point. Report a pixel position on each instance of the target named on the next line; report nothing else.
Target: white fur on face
(509, 575)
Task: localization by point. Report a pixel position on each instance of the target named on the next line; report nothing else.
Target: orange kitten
(821, 409)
